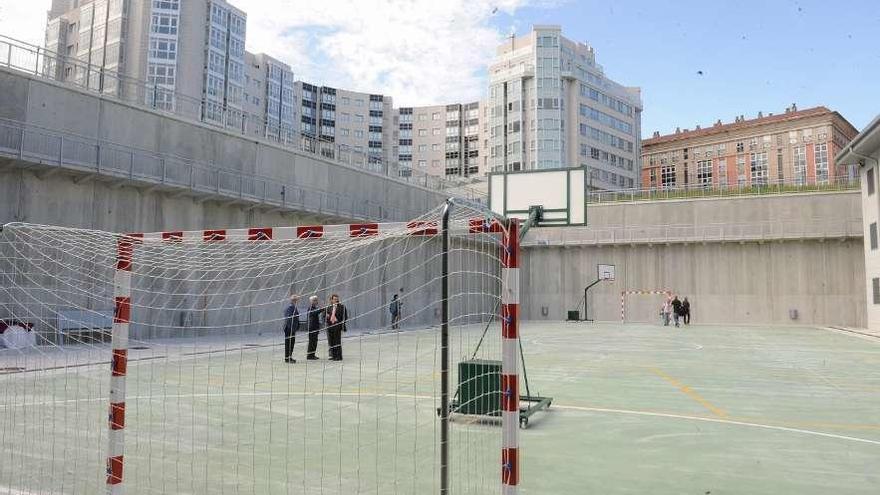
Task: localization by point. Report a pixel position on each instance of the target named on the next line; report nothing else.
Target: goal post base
(479, 393)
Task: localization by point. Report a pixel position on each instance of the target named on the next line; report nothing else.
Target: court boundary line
(717, 420)
(851, 333)
(564, 407)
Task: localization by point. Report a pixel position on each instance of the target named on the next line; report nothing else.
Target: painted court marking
(699, 399)
(717, 420)
(555, 406)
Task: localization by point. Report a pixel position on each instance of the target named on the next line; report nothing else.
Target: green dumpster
(479, 387)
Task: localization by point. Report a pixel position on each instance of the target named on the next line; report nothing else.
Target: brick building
(796, 147)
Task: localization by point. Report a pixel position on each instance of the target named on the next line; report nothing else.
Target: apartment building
(797, 146)
(339, 121)
(270, 98)
(551, 105)
(442, 140)
(171, 53)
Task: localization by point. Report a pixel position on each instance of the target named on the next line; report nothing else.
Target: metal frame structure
(512, 344)
(511, 415)
(625, 293)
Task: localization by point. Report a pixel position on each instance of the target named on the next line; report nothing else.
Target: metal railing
(696, 191)
(42, 63)
(52, 149)
(771, 230)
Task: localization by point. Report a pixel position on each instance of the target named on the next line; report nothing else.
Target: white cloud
(24, 20)
(419, 52)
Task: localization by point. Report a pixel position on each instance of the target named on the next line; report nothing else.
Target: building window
(166, 4)
(164, 24)
(722, 172)
(869, 178)
(423, 132)
(161, 75)
(821, 162)
(800, 165)
(780, 174)
(667, 177)
(423, 163)
(704, 173)
(163, 50)
(759, 168)
(875, 286)
(739, 147)
(741, 170)
(872, 230)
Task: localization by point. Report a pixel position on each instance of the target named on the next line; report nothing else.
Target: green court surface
(637, 409)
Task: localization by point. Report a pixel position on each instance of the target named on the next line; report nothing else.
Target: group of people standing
(676, 310)
(332, 317)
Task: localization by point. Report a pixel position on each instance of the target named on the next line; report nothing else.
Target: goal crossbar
(126, 260)
(639, 292)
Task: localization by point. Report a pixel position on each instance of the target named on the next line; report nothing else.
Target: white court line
(428, 397)
(716, 420)
(849, 333)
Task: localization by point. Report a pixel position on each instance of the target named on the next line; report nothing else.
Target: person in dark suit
(395, 308)
(335, 317)
(686, 311)
(291, 325)
(314, 326)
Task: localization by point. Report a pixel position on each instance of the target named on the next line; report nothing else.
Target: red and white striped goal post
(640, 292)
(125, 261)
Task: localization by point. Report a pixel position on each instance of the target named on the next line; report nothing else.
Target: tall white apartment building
(269, 98)
(550, 105)
(170, 50)
(442, 140)
(223, 91)
(347, 121)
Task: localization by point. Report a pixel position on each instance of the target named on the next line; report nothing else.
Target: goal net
(642, 305)
(160, 362)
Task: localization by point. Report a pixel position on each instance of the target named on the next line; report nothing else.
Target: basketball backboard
(561, 192)
(605, 272)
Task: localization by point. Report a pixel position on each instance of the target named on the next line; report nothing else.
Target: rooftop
(741, 123)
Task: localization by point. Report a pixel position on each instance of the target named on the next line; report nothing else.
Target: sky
(695, 61)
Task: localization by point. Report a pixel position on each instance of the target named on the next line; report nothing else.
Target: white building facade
(864, 151)
(440, 140)
(550, 105)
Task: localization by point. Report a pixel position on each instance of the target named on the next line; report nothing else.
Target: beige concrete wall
(756, 278)
(60, 108)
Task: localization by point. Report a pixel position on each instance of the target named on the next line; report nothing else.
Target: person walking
(335, 317)
(394, 308)
(313, 326)
(665, 310)
(676, 310)
(291, 325)
(686, 311)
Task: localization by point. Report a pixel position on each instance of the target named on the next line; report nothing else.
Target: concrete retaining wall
(61, 108)
(59, 200)
(751, 280)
